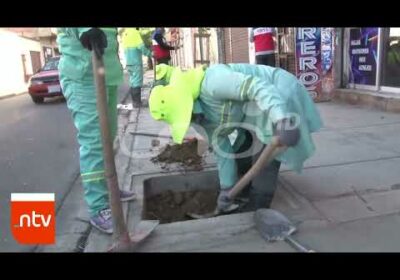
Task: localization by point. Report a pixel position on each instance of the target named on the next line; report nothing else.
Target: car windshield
(52, 64)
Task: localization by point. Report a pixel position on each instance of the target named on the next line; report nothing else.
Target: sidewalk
(12, 95)
(346, 199)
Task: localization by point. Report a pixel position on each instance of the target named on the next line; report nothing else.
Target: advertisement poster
(308, 59)
(327, 52)
(326, 49)
(363, 55)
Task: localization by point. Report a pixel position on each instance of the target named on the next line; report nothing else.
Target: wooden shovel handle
(266, 156)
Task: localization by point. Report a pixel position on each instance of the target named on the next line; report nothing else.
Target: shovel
(267, 155)
(216, 212)
(274, 226)
(122, 241)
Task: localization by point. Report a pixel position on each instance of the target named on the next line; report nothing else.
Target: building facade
(23, 51)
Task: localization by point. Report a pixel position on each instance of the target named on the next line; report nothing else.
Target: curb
(12, 95)
(382, 101)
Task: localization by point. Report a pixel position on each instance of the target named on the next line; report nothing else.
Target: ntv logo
(28, 219)
(33, 218)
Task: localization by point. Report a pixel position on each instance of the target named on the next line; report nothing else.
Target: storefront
(308, 53)
(371, 59)
(365, 59)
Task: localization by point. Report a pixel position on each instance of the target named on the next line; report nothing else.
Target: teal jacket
(133, 56)
(76, 61)
(244, 96)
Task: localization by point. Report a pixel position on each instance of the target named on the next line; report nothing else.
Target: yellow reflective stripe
(229, 113)
(244, 88)
(251, 84)
(93, 172)
(92, 176)
(93, 179)
(226, 112)
(222, 113)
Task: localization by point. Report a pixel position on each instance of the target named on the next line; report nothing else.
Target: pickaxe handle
(120, 235)
(267, 155)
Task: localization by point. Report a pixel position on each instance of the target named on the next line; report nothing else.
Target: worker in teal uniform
(254, 101)
(134, 49)
(77, 81)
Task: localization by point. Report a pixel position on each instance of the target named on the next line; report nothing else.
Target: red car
(46, 83)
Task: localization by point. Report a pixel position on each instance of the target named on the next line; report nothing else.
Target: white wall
(187, 48)
(11, 70)
(213, 46)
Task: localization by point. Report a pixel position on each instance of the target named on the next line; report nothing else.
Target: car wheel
(37, 100)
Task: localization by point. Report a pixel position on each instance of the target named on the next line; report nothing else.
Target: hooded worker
(257, 102)
(146, 33)
(134, 49)
(163, 77)
(77, 81)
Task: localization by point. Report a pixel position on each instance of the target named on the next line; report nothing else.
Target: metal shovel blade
(142, 230)
(214, 213)
(273, 225)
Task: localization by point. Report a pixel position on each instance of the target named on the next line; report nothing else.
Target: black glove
(287, 133)
(94, 39)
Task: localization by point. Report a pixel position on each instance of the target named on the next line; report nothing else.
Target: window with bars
(286, 48)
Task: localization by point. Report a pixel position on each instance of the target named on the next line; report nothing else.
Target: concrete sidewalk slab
(384, 137)
(377, 234)
(337, 116)
(344, 209)
(384, 202)
(294, 206)
(337, 147)
(231, 233)
(355, 134)
(324, 182)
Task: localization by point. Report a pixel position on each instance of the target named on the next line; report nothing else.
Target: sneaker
(126, 195)
(102, 221)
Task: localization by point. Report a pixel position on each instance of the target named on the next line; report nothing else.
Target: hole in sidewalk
(169, 198)
(170, 206)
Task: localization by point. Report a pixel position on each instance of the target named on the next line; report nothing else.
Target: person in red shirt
(161, 50)
(264, 43)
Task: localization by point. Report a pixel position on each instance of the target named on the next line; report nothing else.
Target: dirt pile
(185, 154)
